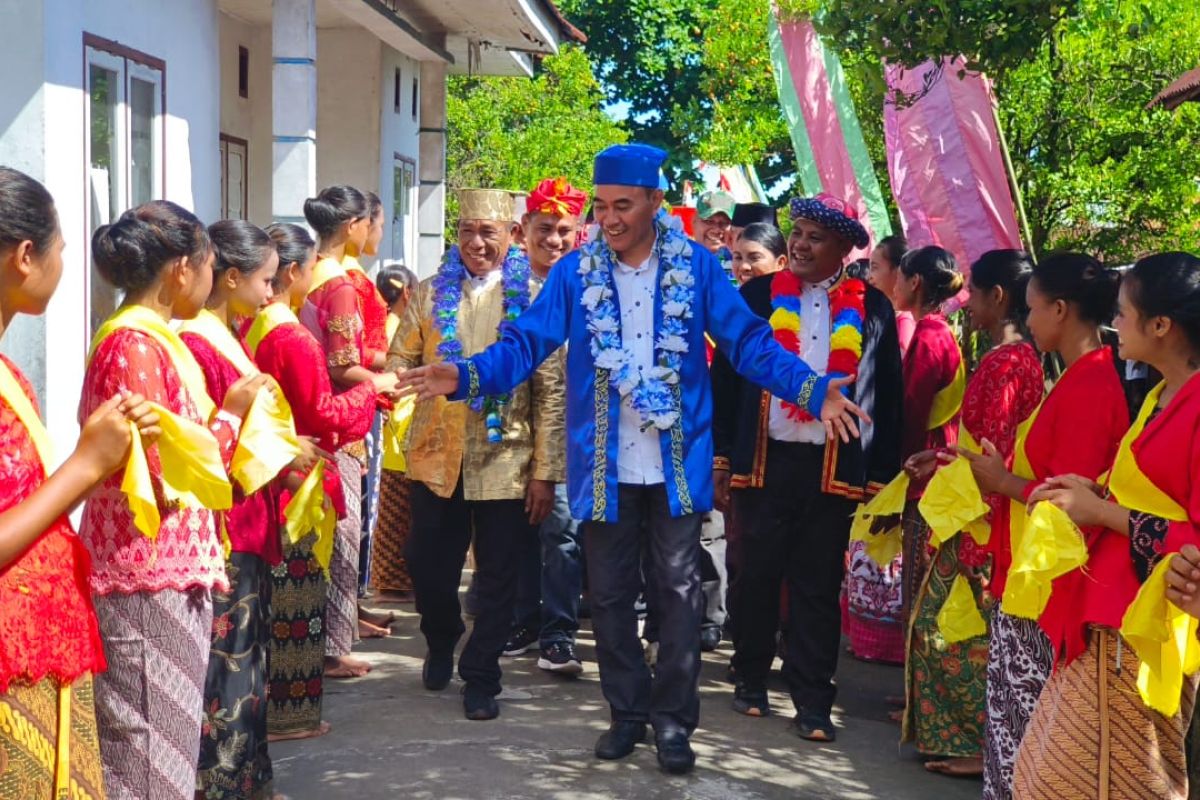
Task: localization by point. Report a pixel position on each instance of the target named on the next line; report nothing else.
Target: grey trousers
(670, 700)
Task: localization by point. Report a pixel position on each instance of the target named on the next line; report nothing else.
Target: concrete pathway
(392, 739)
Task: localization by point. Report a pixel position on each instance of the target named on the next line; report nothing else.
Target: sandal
(815, 728)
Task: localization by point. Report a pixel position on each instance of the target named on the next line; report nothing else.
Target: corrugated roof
(1185, 88)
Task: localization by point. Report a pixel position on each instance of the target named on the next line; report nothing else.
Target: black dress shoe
(479, 704)
(438, 669)
(675, 753)
(620, 739)
(710, 638)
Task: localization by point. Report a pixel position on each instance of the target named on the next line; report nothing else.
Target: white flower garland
(654, 395)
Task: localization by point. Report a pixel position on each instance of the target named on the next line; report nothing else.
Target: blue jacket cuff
(466, 372)
(812, 394)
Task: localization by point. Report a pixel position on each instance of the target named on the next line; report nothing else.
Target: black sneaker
(560, 657)
(521, 642)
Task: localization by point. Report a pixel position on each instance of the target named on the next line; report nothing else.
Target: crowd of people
(744, 435)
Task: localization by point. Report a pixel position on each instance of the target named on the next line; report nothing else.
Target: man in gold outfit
(487, 467)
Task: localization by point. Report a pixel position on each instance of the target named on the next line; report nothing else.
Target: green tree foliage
(647, 55)
(509, 133)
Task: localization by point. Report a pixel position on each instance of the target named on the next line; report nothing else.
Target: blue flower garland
(447, 295)
(655, 395)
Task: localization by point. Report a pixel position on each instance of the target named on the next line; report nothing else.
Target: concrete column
(293, 107)
(431, 168)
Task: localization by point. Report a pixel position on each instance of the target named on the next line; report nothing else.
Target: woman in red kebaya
(49, 639)
(287, 351)
(1069, 296)
(1091, 734)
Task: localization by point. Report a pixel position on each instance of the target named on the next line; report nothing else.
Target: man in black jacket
(794, 489)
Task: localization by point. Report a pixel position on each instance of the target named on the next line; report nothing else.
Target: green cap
(716, 202)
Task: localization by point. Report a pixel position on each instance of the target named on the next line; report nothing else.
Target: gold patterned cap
(490, 204)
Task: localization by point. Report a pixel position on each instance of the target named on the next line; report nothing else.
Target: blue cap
(629, 165)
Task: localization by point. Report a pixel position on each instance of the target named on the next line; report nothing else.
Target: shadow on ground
(392, 739)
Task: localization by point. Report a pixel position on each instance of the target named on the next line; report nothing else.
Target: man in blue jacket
(634, 307)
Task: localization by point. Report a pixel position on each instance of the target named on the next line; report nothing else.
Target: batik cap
(715, 202)
(833, 213)
(628, 165)
(746, 214)
(489, 204)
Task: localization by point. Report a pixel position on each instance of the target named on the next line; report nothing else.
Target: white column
(293, 107)
(431, 168)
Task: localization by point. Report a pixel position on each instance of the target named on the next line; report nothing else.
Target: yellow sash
(1163, 637)
(1051, 545)
(18, 401)
(395, 432)
(143, 320)
(326, 270)
(350, 262)
(952, 501)
(948, 401)
(193, 473)
(390, 326)
(268, 319)
(960, 618)
(881, 547)
(310, 510)
(267, 442)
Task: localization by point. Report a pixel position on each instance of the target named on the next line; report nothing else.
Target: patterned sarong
(341, 616)
(299, 594)
(29, 742)
(389, 570)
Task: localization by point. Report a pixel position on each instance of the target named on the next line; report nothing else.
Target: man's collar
(829, 282)
(621, 265)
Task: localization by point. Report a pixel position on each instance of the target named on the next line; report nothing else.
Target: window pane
(104, 145)
(141, 140)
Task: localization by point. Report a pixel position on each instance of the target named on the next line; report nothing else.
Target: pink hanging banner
(945, 161)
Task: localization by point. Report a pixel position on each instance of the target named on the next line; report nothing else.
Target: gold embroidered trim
(806, 391)
(677, 469)
(343, 357)
(600, 445)
(472, 380)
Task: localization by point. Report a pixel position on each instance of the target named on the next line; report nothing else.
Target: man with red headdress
(552, 569)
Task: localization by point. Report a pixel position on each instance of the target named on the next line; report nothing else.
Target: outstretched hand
(430, 381)
(838, 412)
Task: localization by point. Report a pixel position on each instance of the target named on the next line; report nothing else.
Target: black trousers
(436, 551)
(791, 532)
(670, 701)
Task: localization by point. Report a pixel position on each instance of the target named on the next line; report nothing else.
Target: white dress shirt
(478, 284)
(639, 453)
(815, 330)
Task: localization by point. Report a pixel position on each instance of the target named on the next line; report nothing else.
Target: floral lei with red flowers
(847, 310)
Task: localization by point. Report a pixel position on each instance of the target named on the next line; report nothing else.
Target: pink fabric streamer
(946, 164)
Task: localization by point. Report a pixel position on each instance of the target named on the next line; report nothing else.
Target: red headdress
(556, 196)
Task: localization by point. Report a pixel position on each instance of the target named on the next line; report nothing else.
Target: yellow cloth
(881, 547)
(948, 401)
(193, 473)
(326, 270)
(952, 503)
(1051, 545)
(12, 393)
(1164, 639)
(310, 510)
(267, 442)
(395, 432)
(350, 262)
(1128, 484)
(142, 319)
(390, 326)
(62, 767)
(268, 319)
(959, 618)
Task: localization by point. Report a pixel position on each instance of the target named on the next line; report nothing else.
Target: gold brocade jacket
(448, 439)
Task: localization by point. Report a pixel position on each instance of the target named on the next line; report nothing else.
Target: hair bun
(956, 282)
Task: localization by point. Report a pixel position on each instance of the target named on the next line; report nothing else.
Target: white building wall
(46, 138)
(398, 136)
(348, 102)
(249, 117)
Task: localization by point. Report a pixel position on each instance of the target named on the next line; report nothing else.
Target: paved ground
(392, 739)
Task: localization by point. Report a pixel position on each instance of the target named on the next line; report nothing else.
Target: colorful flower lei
(846, 310)
(447, 295)
(654, 395)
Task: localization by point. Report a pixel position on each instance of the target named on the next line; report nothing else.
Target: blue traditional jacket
(593, 405)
